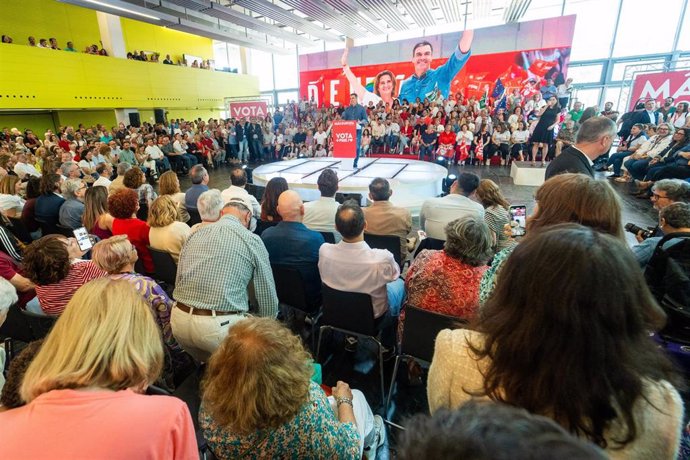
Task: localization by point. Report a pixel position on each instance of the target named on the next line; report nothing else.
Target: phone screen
(518, 217)
(83, 239)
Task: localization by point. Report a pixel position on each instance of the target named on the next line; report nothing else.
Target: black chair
(40, 325)
(389, 242)
(262, 225)
(428, 243)
(343, 197)
(19, 230)
(292, 292)
(164, 266)
(139, 267)
(194, 217)
(328, 237)
(143, 212)
(419, 336)
(351, 313)
(49, 228)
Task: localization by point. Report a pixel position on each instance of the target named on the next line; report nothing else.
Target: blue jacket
(433, 80)
(357, 113)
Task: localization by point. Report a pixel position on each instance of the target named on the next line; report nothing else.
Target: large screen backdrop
(503, 58)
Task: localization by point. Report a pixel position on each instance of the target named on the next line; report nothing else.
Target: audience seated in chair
(103, 352)
(621, 401)
(199, 178)
(217, 264)
(118, 182)
(237, 189)
(49, 203)
(123, 206)
(167, 233)
(210, 208)
(73, 191)
(53, 264)
(352, 266)
(496, 212)
(262, 366)
(169, 184)
(117, 256)
(319, 215)
(269, 202)
(383, 217)
(96, 218)
(437, 212)
(11, 271)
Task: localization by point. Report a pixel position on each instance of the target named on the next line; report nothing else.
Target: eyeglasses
(657, 196)
(662, 129)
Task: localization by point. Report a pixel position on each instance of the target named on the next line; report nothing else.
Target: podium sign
(344, 138)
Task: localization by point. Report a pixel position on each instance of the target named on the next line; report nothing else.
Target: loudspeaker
(134, 119)
(159, 115)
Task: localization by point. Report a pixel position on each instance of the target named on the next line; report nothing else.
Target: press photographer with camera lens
(674, 218)
(664, 193)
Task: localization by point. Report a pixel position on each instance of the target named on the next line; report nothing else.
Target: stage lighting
(447, 183)
(452, 177)
(441, 159)
(244, 166)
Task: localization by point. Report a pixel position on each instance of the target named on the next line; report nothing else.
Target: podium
(344, 139)
(523, 173)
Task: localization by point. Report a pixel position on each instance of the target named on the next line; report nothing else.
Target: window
(646, 28)
(618, 72)
(594, 26)
(585, 73)
(542, 9)
(612, 94)
(260, 65)
(286, 70)
(286, 96)
(684, 39)
(589, 97)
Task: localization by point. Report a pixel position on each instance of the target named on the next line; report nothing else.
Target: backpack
(668, 276)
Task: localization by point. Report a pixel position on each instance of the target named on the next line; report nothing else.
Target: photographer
(664, 193)
(674, 218)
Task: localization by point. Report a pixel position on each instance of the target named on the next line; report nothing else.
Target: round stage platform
(412, 181)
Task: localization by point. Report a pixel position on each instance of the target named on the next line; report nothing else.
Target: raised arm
(355, 85)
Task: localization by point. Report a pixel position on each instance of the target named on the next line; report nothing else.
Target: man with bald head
(292, 244)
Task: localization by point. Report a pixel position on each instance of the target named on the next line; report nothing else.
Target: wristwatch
(340, 401)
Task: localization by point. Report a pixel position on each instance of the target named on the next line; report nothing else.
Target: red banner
(344, 138)
(659, 86)
(247, 109)
(478, 77)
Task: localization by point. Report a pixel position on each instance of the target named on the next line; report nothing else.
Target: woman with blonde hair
(565, 198)
(169, 184)
(258, 401)
(88, 379)
(11, 204)
(96, 218)
(117, 256)
(496, 211)
(167, 232)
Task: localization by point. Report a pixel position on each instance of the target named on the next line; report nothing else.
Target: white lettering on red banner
(248, 109)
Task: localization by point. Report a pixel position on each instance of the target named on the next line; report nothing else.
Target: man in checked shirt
(218, 264)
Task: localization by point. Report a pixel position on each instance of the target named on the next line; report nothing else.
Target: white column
(111, 34)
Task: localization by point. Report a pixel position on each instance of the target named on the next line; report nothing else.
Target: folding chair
(351, 313)
(419, 336)
(164, 266)
(389, 242)
(194, 217)
(292, 292)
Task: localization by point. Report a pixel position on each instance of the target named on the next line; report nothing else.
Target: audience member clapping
(87, 379)
(258, 399)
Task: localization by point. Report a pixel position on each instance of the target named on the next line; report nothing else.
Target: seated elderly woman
(123, 206)
(447, 281)
(53, 263)
(117, 256)
(87, 379)
(210, 205)
(258, 399)
(611, 385)
(73, 190)
(167, 232)
(564, 198)
(11, 203)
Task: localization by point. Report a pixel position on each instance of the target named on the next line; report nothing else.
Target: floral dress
(314, 433)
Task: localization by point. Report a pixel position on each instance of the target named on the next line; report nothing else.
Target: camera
(634, 229)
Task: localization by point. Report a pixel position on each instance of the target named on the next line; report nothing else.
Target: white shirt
(355, 267)
(177, 147)
(239, 192)
(22, 169)
(170, 238)
(155, 152)
(84, 164)
(103, 182)
(8, 202)
(319, 215)
(437, 212)
(521, 136)
(320, 138)
(466, 134)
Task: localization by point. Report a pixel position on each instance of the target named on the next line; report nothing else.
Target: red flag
(479, 151)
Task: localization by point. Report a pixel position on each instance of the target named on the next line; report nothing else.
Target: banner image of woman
(384, 85)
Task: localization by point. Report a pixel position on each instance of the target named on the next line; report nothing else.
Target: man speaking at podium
(357, 113)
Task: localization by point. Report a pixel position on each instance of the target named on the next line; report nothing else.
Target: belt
(205, 312)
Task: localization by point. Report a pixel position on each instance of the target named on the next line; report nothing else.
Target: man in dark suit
(594, 138)
(648, 115)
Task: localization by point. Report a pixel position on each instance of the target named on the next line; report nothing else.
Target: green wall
(86, 117)
(38, 122)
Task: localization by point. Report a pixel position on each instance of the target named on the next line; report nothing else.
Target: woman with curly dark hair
(269, 203)
(123, 206)
(53, 263)
(572, 345)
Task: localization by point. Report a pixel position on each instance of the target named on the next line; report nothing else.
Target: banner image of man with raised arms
(433, 84)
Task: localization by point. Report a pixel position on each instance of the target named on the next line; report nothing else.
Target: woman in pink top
(84, 389)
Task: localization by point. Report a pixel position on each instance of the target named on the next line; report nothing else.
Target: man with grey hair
(594, 138)
(218, 266)
(674, 218)
(117, 183)
(73, 190)
(70, 170)
(199, 177)
(383, 218)
(210, 206)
